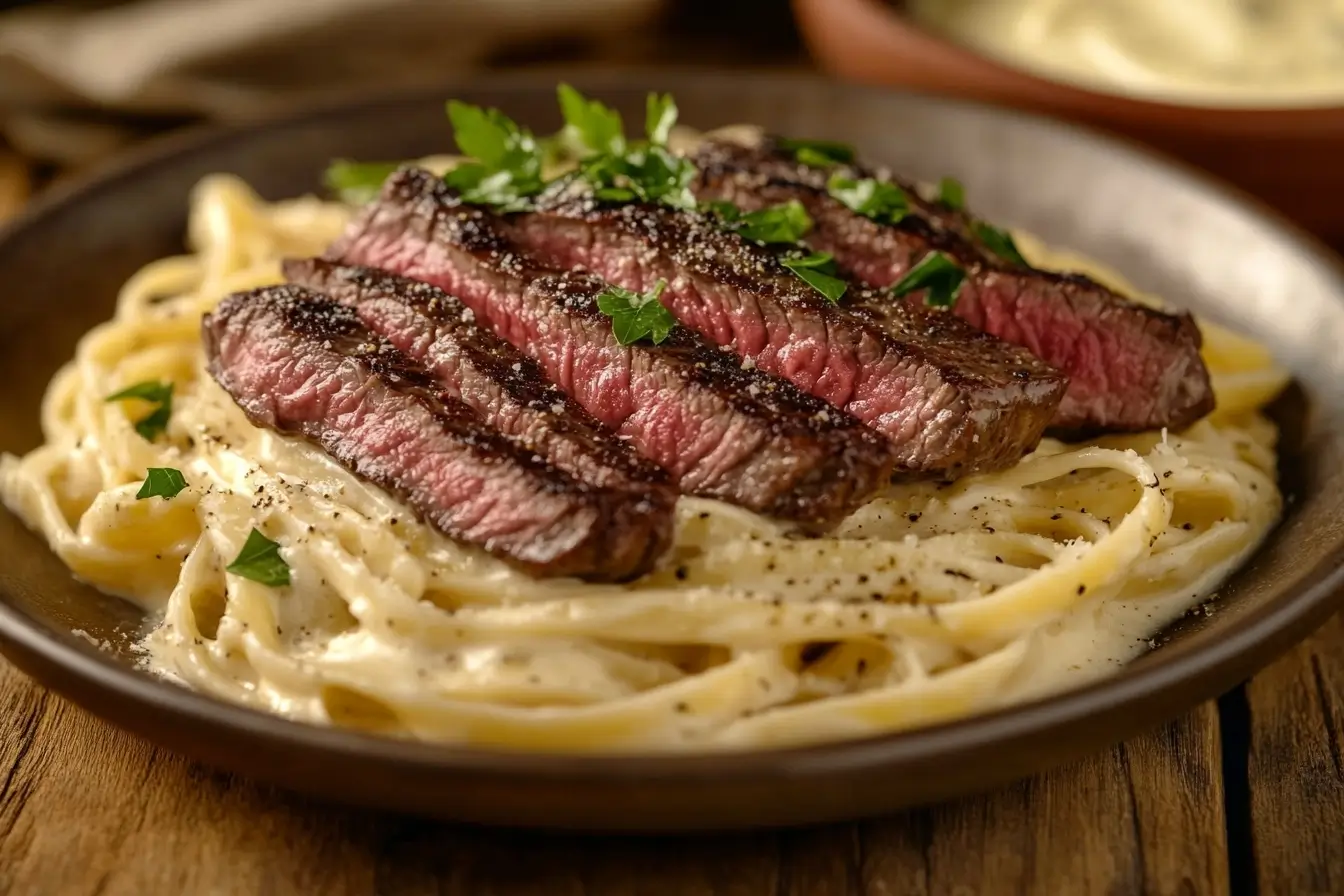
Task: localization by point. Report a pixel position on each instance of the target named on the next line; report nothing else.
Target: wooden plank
(1146, 817)
(1295, 769)
(85, 808)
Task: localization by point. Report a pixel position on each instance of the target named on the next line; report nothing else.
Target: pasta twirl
(931, 602)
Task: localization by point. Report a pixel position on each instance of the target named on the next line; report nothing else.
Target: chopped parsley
(818, 153)
(952, 194)
(785, 223)
(660, 115)
(592, 125)
(357, 182)
(818, 271)
(939, 275)
(161, 482)
(157, 394)
(635, 316)
(506, 168)
(622, 171)
(260, 561)
(884, 202)
(1000, 242)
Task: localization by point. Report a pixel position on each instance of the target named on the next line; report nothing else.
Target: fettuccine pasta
(928, 604)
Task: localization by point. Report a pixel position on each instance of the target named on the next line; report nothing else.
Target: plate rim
(1214, 667)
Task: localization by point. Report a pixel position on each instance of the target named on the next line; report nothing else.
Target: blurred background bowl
(1292, 158)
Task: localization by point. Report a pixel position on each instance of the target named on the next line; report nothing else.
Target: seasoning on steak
(478, 367)
(304, 365)
(722, 429)
(950, 400)
(1130, 367)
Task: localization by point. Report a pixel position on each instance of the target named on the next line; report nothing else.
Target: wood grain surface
(87, 809)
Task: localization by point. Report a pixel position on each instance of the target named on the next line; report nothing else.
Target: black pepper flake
(1166, 475)
(682, 706)
(998, 559)
(863, 578)
(914, 517)
(1187, 526)
(1057, 516)
(681, 573)
(1082, 589)
(958, 573)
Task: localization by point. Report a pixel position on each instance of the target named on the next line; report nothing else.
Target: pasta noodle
(930, 603)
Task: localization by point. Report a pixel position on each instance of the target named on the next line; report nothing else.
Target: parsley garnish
(506, 170)
(778, 224)
(636, 315)
(357, 182)
(161, 482)
(937, 273)
(952, 194)
(1000, 242)
(152, 425)
(818, 271)
(660, 114)
(621, 171)
(884, 202)
(260, 561)
(594, 126)
(818, 153)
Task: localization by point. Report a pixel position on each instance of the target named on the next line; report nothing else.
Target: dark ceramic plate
(1172, 231)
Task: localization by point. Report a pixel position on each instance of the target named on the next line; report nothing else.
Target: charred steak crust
(299, 363)
(1130, 367)
(483, 370)
(722, 430)
(948, 408)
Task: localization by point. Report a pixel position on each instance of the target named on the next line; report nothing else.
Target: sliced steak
(949, 399)
(304, 365)
(722, 430)
(478, 367)
(1130, 367)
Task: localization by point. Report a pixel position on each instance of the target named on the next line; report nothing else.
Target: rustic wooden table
(1243, 795)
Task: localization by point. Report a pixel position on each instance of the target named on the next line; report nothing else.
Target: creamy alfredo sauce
(1208, 52)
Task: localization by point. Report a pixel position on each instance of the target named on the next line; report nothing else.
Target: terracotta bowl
(1293, 158)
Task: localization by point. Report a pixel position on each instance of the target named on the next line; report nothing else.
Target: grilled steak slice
(300, 363)
(479, 368)
(950, 400)
(1130, 367)
(723, 431)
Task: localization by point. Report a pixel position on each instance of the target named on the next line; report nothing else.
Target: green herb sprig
(879, 200)
(260, 561)
(157, 394)
(939, 275)
(357, 182)
(161, 482)
(635, 316)
(506, 168)
(783, 224)
(818, 271)
(998, 241)
(818, 153)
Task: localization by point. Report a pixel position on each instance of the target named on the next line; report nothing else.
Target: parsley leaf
(636, 315)
(783, 223)
(161, 482)
(507, 166)
(818, 153)
(952, 193)
(818, 271)
(884, 202)
(937, 273)
(723, 209)
(597, 127)
(357, 182)
(260, 561)
(660, 114)
(1000, 242)
(153, 425)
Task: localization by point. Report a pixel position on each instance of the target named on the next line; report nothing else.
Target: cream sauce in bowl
(1230, 53)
